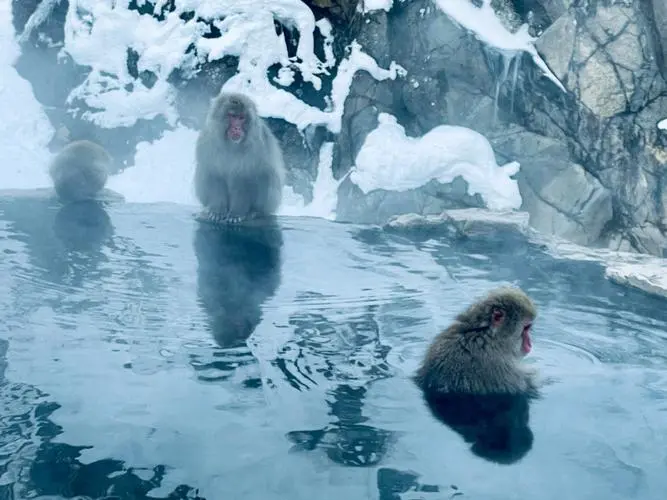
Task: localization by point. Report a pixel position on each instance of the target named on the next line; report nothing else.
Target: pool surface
(146, 356)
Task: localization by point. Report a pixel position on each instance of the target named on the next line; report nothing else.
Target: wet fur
(80, 171)
(470, 357)
(238, 181)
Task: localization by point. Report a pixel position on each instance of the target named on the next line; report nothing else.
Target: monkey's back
(80, 171)
(468, 365)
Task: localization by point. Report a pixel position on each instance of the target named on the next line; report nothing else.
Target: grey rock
(599, 59)
(469, 107)
(366, 100)
(622, 151)
(424, 98)
(378, 206)
(645, 239)
(425, 41)
(556, 45)
(565, 200)
(374, 37)
(659, 15)
(425, 226)
(555, 8)
(458, 224)
(560, 196)
(301, 154)
(611, 53)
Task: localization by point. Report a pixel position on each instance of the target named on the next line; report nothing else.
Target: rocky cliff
(580, 114)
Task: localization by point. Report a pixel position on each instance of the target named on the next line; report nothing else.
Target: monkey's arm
(211, 189)
(269, 191)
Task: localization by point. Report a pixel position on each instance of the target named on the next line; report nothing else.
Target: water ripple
(278, 359)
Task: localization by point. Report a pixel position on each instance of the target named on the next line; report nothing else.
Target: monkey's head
(508, 313)
(235, 113)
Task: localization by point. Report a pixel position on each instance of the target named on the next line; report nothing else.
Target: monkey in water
(80, 171)
(240, 169)
(480, 352)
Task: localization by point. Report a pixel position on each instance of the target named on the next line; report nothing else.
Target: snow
(324, 191)
(24, 127)
(93, 28)
(662, 124)
(390, 160)
(644, 272)
(171, 159)
(371, 5)
(650, 277)
(247, 31)
(486, 26)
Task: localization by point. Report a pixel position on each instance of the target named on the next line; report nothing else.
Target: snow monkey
(80, 171)
(481, 351)
(240, 170)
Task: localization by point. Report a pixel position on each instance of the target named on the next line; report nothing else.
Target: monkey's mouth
(235, 133)
(526, 342)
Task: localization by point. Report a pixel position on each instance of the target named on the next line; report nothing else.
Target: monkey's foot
(210, 216)
(218, 218)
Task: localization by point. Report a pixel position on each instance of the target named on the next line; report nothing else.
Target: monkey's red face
(236, 127)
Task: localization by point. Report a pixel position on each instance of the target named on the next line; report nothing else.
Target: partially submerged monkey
(240, 168)
(80, 171)
(480, 352)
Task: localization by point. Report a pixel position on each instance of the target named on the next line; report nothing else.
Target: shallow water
(145, 356)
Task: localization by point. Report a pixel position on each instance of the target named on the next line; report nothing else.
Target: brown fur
(80, 171)
(473, 357)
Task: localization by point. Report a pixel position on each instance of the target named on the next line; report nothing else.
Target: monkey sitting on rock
(480, 353)
(240, 169)
(80, 171)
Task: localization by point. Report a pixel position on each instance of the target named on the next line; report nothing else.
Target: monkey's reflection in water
(495, 425)
(83, 228)
(348, 441)
(238, 270)
(65, 244)
(83, 225)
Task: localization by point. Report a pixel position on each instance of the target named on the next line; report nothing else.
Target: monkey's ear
(497, 317)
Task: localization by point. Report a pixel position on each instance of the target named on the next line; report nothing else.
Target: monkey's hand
(532, 380)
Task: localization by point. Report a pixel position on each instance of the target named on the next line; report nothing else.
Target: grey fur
(80, 171)
(471, 357)
(238, 181)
